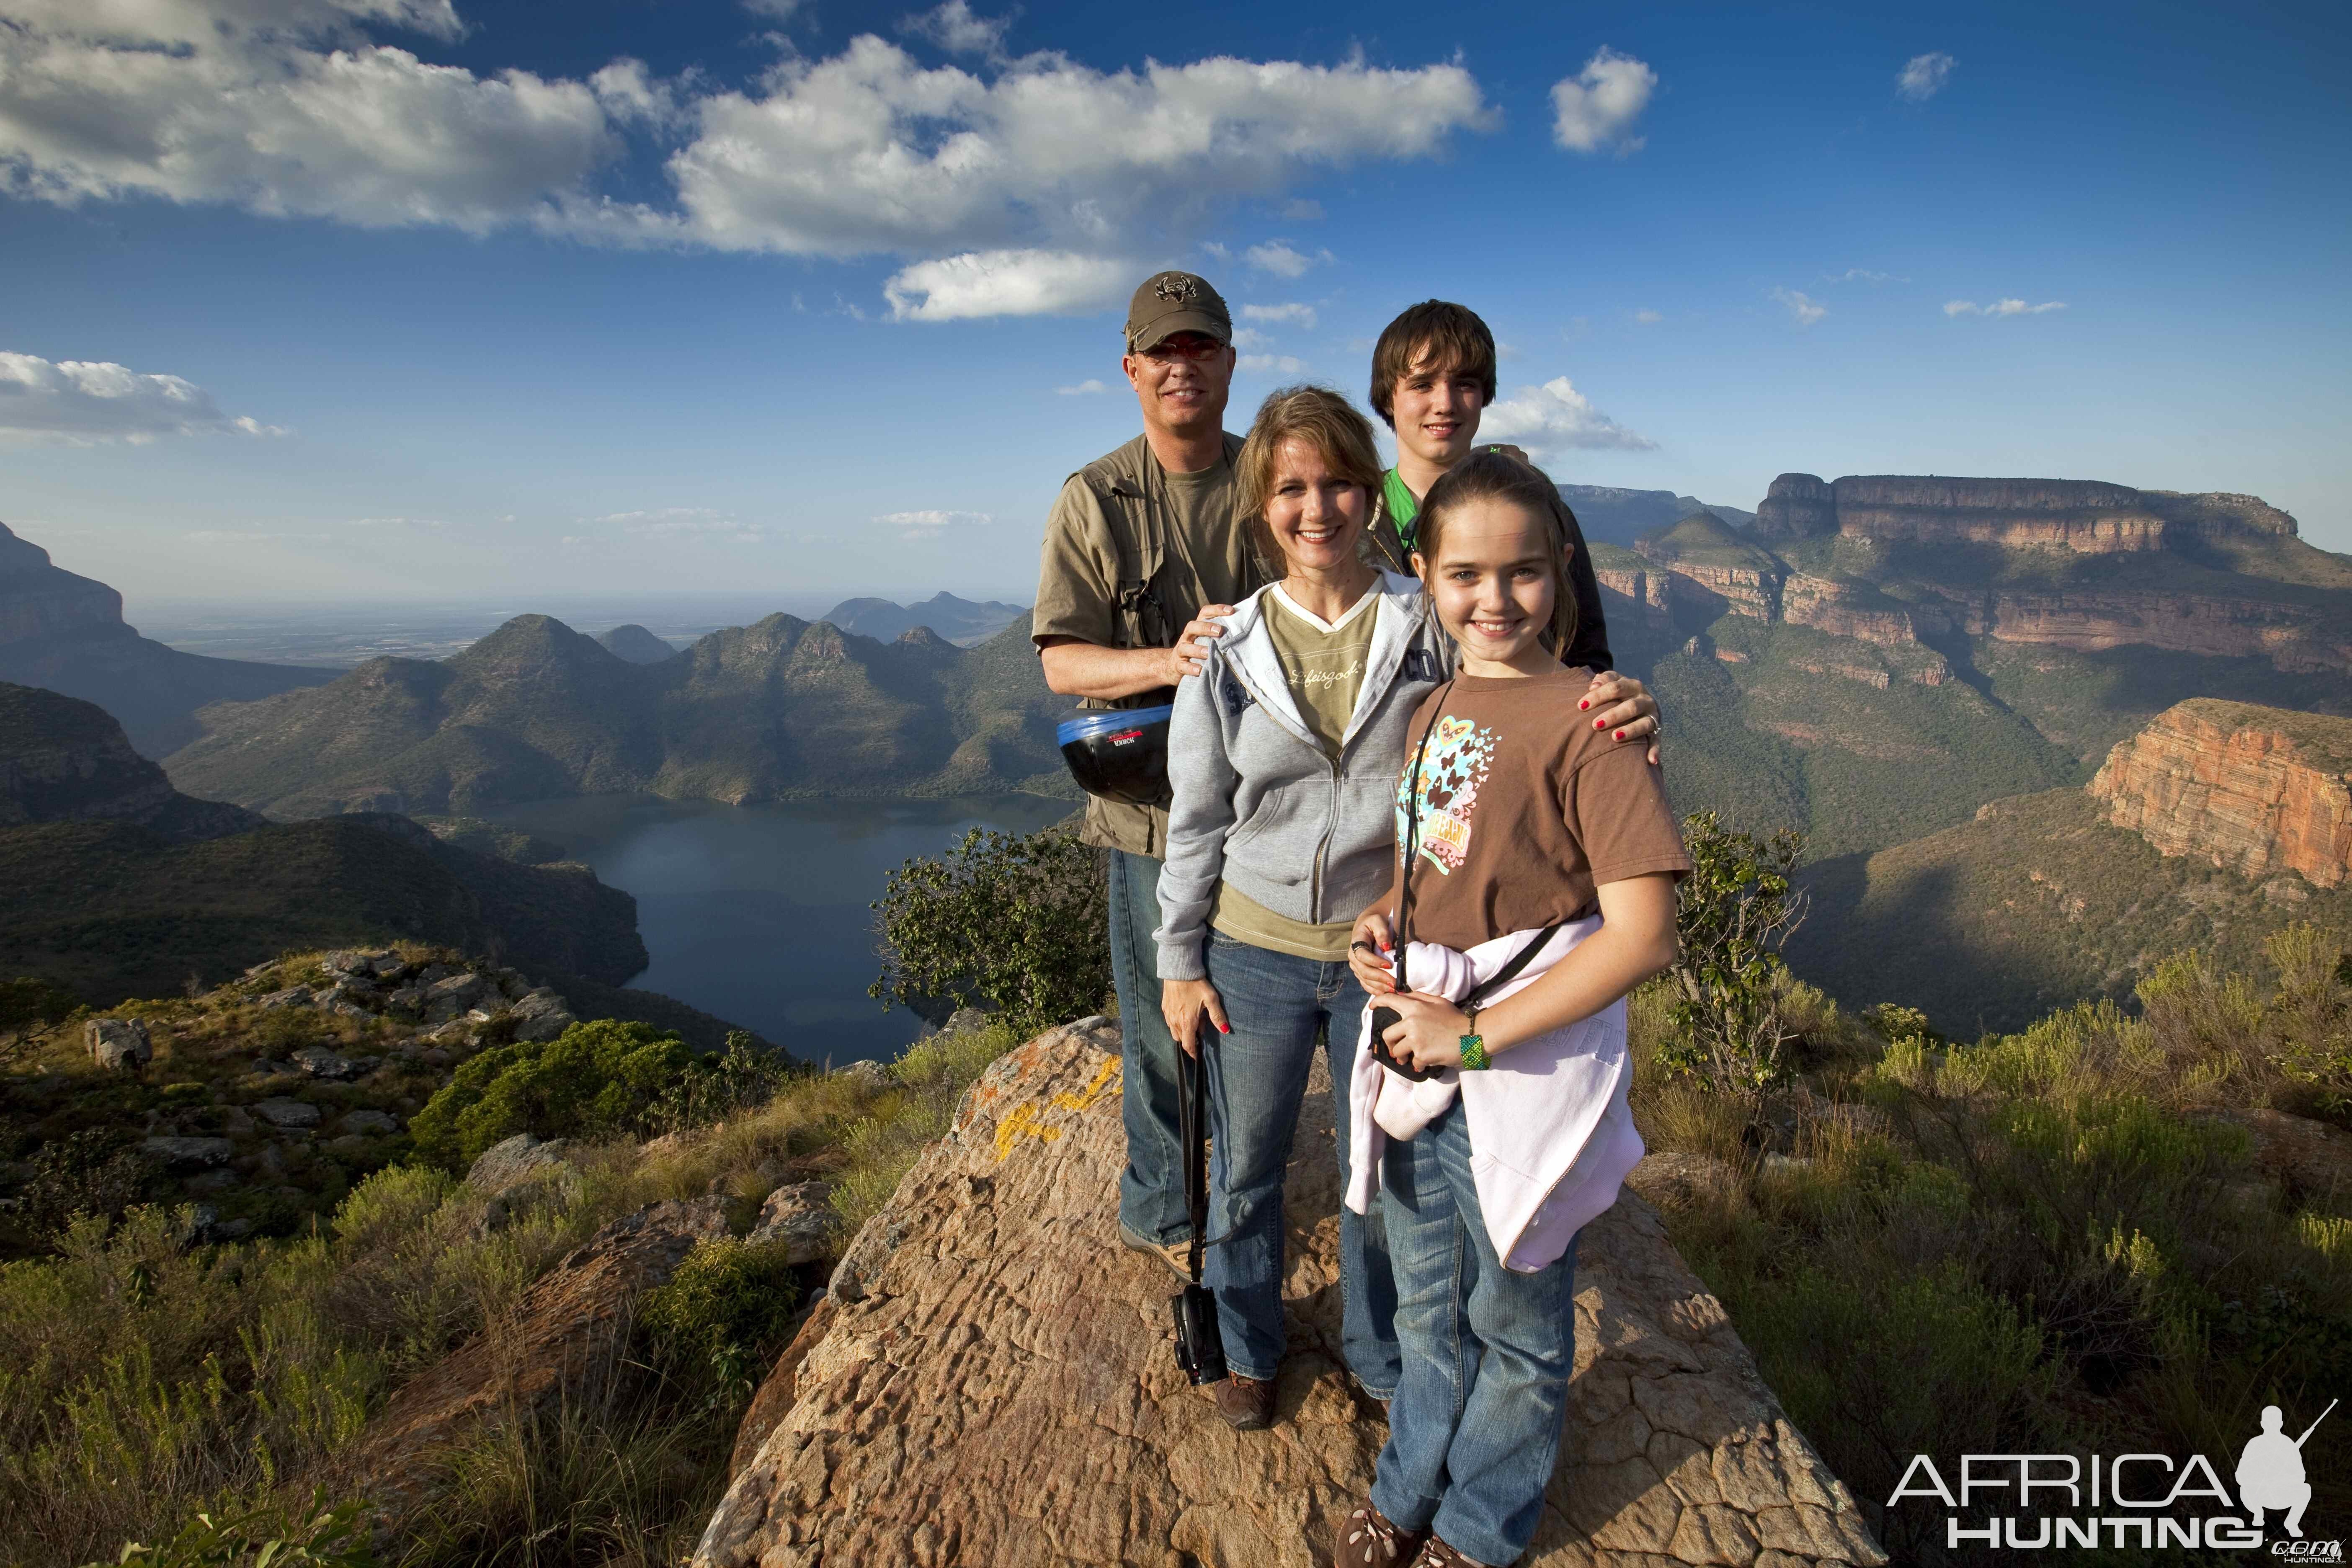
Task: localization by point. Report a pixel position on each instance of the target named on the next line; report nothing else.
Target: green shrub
(1017, 922)
(718, 1085)
(725, 1310)
(594, 1081)
(1733, 913)
(262, 1538)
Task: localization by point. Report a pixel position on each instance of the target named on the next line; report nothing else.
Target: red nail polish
(1596, 723)
(1228, 1028)
(1586, 703)
(1621, 734)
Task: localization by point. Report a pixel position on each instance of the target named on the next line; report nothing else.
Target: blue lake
(758, 913)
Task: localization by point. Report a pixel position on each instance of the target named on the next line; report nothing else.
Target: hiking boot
(1245, 1403)
(1368, 1538)
(1172, 1253)
(1435, 1553)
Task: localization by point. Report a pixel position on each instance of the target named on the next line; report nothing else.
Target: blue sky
(707, 294)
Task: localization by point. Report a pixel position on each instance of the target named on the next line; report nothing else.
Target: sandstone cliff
(2257, 790)
(2085, 516)
(992, 1384)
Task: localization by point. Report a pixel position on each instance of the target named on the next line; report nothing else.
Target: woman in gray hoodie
(1283, 757)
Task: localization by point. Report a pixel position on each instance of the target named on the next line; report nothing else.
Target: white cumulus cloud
(1087, 388)
(2001, 308)
(869, 151)
(1279, 365)
(1296, 314)
(83, 402)
(287, 107)
(1924, 76)
(296, 107)
(1804, 308)
(1647, 318)
(1008, 283)
(1597, 107)
(1555, 417)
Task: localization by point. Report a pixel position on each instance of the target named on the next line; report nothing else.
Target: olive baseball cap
(1171, 303)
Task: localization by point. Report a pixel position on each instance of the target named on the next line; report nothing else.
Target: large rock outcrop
(2258, 790)
(992, 1384)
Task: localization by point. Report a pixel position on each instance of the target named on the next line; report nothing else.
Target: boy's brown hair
(1491, 476)
(1324, 420)
(1448, 337)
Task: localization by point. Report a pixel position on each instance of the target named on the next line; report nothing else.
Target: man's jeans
(1474, 1431)
(1257, 1076)
(1151, 1188)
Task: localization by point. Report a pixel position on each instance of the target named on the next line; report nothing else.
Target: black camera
(1383, 1019)
(1200, 1346)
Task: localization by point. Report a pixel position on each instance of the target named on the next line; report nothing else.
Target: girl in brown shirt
(1523, 819)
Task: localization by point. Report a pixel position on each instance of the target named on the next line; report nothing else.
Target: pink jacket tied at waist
(1552, 1134)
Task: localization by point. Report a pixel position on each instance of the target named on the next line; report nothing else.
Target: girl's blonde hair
(1491, 476)
(1323, 419)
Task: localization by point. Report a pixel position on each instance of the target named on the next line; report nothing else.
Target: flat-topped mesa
(1705, 549)
(2258, 790)
(2089, 517)
(1798, 506)
(40, 600)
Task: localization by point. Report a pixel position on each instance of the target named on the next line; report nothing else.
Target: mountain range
(960, 621)
(778, 710)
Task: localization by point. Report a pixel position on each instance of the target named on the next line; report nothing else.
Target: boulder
(513, 1160)
(802, 1218)
(993, 1383)
(119, 1045)
(569, 1328)
(370, 1124)
(321, 1063)
(865, 1075)
(288, 1115)
(188, 1153)
(292, 996)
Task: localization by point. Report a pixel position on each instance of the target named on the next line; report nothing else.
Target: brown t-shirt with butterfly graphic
(1526, 809)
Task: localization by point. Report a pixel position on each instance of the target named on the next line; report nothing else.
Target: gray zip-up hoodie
(1259, 803)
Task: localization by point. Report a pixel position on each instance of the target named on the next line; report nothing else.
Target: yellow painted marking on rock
(1024, 1120)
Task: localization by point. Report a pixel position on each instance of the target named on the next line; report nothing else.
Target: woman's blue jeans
(1276, 1003)
(1474, 1430)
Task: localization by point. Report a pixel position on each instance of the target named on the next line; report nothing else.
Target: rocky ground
(259, 1101)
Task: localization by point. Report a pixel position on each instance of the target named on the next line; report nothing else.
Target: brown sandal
(1368, 1538)
(1435, 1553)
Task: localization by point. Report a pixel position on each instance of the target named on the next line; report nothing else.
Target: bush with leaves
(1016, 922)
(99, 1171)
(319, 1535)
(1736, 909)
(593, 1080)
(737, 1078)
(27, 1003)
(725, 1310)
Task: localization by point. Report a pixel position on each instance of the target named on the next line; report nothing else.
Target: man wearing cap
(1141, 548)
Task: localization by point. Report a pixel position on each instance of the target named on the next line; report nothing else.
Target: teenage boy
(1141, 548)
(1432, 377)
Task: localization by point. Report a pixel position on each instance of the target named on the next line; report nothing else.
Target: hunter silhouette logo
(2270, 1470)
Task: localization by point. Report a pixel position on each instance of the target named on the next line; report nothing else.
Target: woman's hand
(1623, 704)
(1182, 1003)
(1371, 949)
(1428, 1031)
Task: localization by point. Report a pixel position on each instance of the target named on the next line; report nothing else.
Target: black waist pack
(1119, 753)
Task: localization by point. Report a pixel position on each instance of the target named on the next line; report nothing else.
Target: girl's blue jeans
(1474, 1430)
